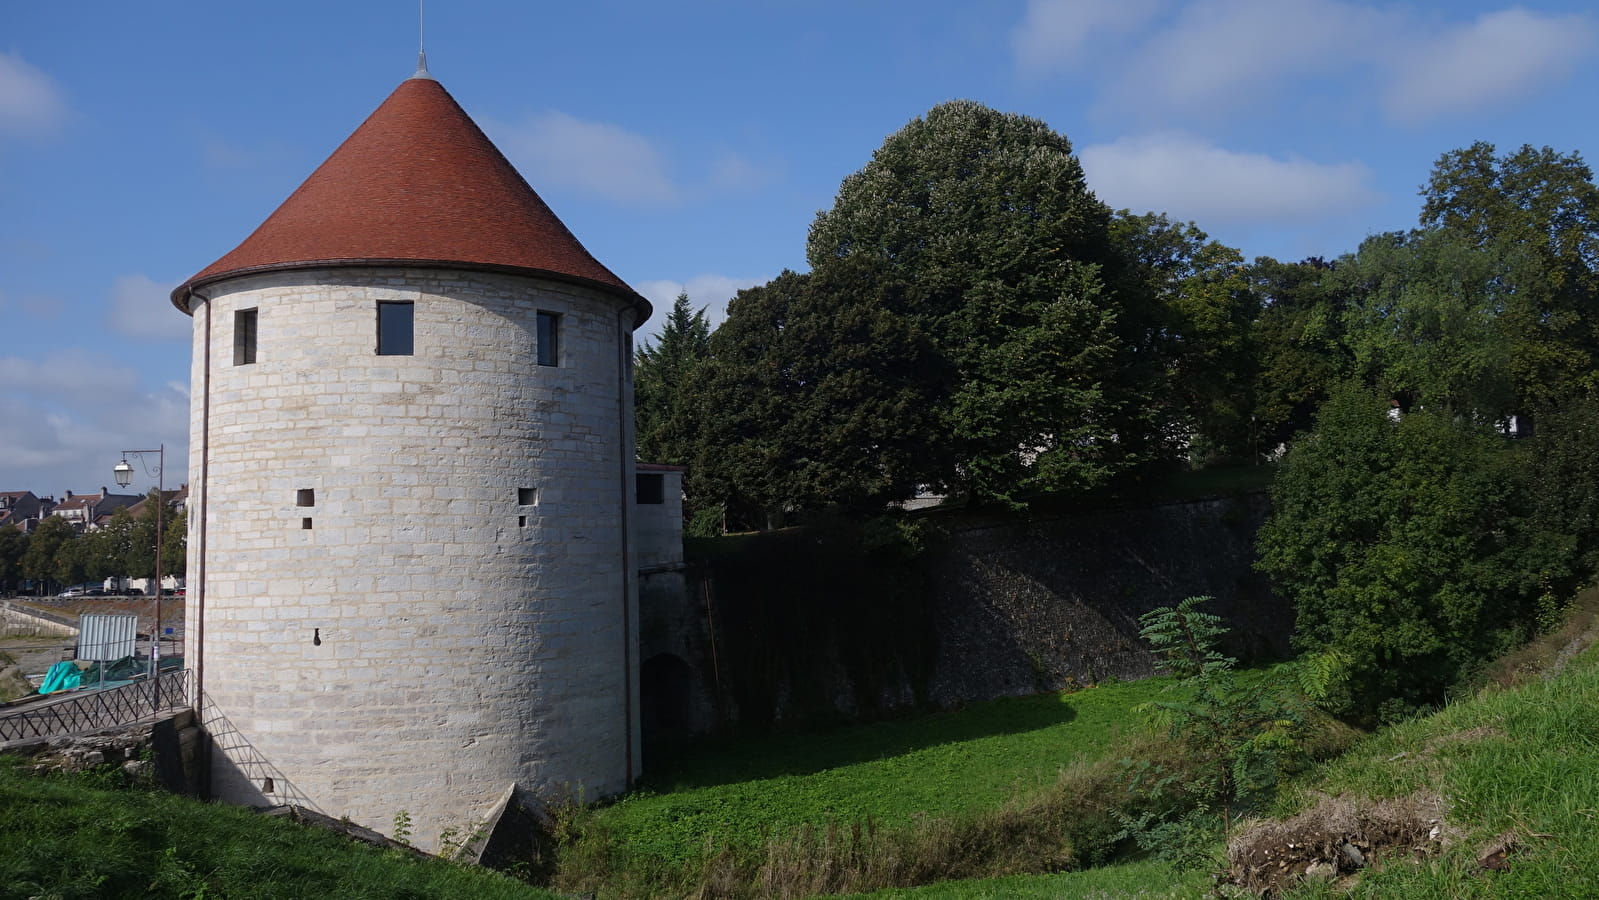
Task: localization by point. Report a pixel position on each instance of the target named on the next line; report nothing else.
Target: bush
(1408, 547)
(1566, 482)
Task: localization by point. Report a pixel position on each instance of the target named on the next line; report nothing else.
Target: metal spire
(421, 47)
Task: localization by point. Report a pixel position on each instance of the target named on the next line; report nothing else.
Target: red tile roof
(417, 184)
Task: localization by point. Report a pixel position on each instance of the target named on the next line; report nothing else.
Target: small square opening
(305, 497)
(649, 487)
(527, 496)
(305, 523)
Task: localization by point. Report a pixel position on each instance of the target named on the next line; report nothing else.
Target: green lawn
(739, 793)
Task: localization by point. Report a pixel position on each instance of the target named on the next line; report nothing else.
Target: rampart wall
(999, 608)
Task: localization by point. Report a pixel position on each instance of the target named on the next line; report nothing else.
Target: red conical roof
(417, 184)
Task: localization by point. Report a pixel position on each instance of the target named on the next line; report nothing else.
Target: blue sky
(690, 144)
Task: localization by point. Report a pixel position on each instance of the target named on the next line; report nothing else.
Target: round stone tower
(410, 579)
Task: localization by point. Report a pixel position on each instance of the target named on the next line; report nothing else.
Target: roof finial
(421, 48)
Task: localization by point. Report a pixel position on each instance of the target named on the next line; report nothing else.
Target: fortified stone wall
(1035, 606)
(1004, 608)
(418, 583)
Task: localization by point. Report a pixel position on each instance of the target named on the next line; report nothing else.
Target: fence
(94, 710)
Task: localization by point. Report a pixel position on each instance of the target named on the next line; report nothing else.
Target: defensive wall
(793, 631)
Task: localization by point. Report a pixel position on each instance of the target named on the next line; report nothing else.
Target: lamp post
(124, 475)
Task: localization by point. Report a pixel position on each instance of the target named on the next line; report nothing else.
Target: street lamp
(123, 472)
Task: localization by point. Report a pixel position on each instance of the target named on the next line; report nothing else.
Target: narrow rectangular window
(549, 339)
(650, 488)
(305, 523)
(395, 329)
(243, 337)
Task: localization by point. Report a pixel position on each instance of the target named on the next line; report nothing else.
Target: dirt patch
(34, 655)
(1336, 837)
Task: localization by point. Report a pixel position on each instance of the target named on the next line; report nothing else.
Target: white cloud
(1210, 57)
(555, 148)
(1190, 178)
(71, 412)
(30, 103)
(1500, 56)
(1054, 33)
(733, 172)
(710, 291)
(141, 308)
(1222, 54)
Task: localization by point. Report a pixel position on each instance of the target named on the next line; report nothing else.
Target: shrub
(1407, 547)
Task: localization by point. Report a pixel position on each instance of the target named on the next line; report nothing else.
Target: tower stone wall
(418, 584)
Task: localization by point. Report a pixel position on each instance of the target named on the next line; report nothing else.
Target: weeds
(402, 827)
(1235, 737)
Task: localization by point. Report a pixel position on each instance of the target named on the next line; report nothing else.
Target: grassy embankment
(1515, 767)
(1518, 764)
(99, 836)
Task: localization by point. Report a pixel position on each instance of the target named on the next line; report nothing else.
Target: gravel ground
(35, 654)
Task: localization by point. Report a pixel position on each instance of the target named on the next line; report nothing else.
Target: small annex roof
(417, 184)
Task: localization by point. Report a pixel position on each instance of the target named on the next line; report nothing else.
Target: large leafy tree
(175, 545)
(141, 556)
(1407, 547)
(1538, 211)
(105, 551)
(998, 254)
(662, 371)
(13, 544)
(1298, 342)
(48, 545)
(1425, 326)
(1205, 306)
(816, 393)
(1566, 482)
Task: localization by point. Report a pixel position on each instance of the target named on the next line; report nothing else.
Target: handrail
(87, 711)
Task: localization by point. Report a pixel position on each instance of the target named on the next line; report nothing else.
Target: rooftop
(418, 183)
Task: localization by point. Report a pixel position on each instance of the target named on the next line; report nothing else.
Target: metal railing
(86, 711)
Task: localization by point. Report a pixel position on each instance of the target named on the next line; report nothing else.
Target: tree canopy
(1537, 211)
(964, 328)
(661, 376)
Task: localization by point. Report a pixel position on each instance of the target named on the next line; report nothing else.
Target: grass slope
(84, 836)
(740, 793)
(1523, 762)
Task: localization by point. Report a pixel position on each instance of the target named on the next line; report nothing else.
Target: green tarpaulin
(63, 676)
